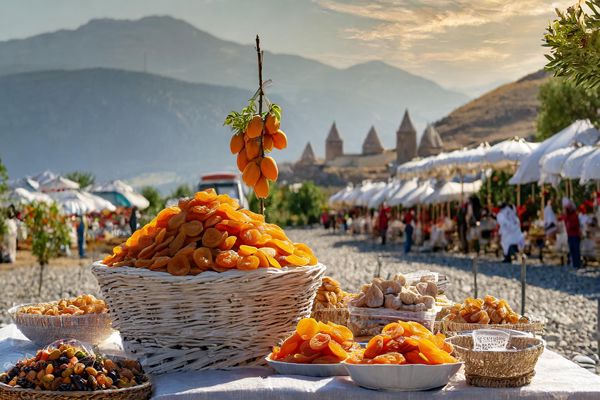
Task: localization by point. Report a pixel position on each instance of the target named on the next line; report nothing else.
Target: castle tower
(431, 142)
(308, 156)
(334, 145)
(406, 140)
(372, 144)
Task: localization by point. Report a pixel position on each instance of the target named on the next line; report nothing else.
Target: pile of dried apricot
(315, 343)
(209, 232)
(255, 135)
(80, 305)
(489, 310)
(405, 343)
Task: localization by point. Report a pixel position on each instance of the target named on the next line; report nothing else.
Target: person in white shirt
(511, 237)
(550, 220)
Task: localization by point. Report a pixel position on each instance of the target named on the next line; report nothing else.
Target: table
(556, 378)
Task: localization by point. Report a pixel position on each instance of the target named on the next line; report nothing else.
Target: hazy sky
(461, 44)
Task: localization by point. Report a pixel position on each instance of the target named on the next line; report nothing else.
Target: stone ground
(563, 297)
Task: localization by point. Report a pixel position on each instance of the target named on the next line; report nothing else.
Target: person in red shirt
(383, 222)
(571, 220)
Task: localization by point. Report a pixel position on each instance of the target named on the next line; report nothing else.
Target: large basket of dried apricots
(207, 285)
(486, 313)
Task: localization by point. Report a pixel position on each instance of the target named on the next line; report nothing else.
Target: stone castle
(339, 168)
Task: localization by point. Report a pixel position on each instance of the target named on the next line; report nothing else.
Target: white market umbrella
(121, 194)
(551, 165)
(57, 184)
(27, 183)
(581, 131)
(591, 167)
(573, 166)
(76, 202)
(370, 191)
(336, 197)
(416, 196)
(452, 191)
(411, 168)
(24, 196)
(406, 188)
(509, 153)
(45, 177)
(382, 195)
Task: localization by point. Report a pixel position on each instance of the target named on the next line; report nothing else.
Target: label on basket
(490, 340)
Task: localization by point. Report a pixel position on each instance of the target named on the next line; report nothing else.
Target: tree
(306, 202)
(3, 190)
(84, 179)
(49, 232)
(182, 191)
(562, 102)
(156, 201)
(574, 42)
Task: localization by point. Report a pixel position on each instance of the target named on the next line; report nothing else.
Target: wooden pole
(518, 195)
(523, 282)
(261, 93)
(543, 201)
(474, 269)
(489, 191)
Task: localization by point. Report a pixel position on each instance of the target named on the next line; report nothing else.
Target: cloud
(454, 34)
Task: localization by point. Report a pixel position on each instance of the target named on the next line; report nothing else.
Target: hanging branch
(261, 93)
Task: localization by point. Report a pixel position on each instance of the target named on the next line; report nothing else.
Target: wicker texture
(140, 392)
(511, 368)
(336, 315)
(45, 329)
(451, 327)
(209, 321)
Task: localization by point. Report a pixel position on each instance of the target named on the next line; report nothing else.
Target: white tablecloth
(556, 378)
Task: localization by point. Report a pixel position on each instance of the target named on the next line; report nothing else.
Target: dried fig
(374, 297)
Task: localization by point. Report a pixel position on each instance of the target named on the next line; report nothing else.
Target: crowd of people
(564, 228)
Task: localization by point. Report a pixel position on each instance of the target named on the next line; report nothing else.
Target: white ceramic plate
(405, 377)
(318, 370)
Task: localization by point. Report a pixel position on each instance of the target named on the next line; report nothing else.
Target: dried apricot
(212, 238)
(337, 350)
(227, 259)
(290, 345)
(319, 341)
(177, 243)
(246, 250)
(203, 258)
(165, 215)
(159, 262)
(192, 228)
(206, 196)
(247, 263)
(284, 246)
(178, 266)
(297, 260)
(307, 328)
(250, 236)
(263, 261)
(176, 221)
(228, 243)
(374, 347)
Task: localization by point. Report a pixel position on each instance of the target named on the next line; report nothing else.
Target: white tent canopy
(417, 196)
(57, 184)
(383, 195)
(591, 167)
(406, 188)
(24, 196)
(368, 192)
(509, 152)
(338, 196)
(452, 191)
(76, 202)
(130, 197)
(581, 131)
(551, 164)
(573, 165)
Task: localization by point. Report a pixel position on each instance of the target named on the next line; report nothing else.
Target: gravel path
(563, 297)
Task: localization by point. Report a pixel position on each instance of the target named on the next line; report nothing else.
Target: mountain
(372, 93)
(115, 123)
(510, 110)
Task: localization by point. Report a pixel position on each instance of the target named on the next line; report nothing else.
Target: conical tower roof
(406, 125)
(431, 142)
(308, 155)
(334, 135)
(372, 144)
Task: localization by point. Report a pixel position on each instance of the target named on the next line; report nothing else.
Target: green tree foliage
(574, 42)
(182, 191)
(306, 203)
(562, 102)
(84, 179)
(3, 190)
(50, 233)
(157, 203)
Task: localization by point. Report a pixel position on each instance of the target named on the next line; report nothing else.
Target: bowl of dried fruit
(84, 318)
(69, 369)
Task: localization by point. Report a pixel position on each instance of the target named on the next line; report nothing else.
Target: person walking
(133, 219)
(10, 236)
(511, 237)
(81, 236)
(408, 231)
(383, 222)
(573, 228)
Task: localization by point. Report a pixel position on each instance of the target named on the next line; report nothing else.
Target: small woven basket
(45, 329)
(452, 328)
(498, 369)
(139, 392)
(208, 321)
(336, 315)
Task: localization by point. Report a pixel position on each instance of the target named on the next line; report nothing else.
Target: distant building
(431, 142)
(334, 145)
(372, 144)
(308, 156)
(406, 140)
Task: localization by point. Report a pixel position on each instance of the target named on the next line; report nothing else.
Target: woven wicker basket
(45, 329)
(140, 392)
(452, 328)
(336, 315)
(208, 321)
(511, 368)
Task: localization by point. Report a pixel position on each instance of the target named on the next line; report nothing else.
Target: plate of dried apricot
(406, 356)
(314, 349)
